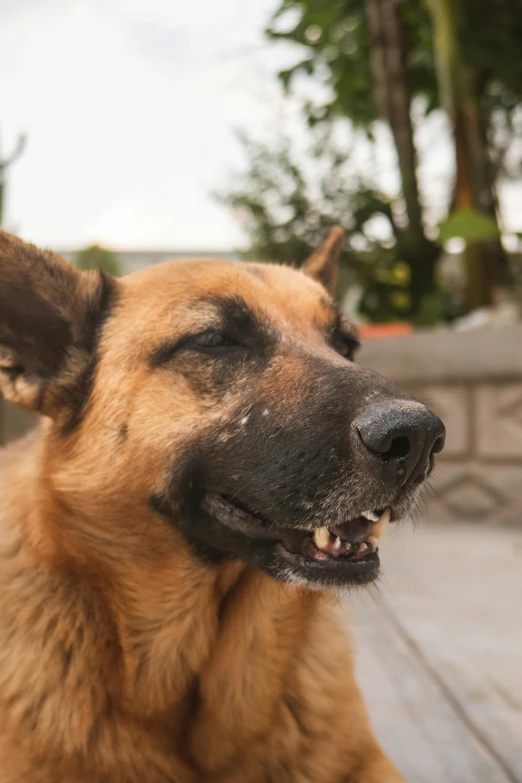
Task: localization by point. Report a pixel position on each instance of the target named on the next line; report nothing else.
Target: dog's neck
(188, 640)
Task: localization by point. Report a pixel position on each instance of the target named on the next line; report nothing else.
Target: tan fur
(123, 657)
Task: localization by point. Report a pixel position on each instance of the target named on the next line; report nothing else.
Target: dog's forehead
(191, 290)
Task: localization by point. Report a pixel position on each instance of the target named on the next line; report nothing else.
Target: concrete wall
(473, 380)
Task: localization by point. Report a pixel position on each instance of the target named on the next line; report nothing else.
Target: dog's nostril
(399, 449)
(438, 445)
(403, 435)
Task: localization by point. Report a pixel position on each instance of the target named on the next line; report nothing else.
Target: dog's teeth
(371, 515)
(322, 537)
(380, 526)
(337, 544)
(363, 548)
(373, 542)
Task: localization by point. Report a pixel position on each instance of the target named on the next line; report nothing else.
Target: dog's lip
(229, 513)
(348, 547)
(361, 570)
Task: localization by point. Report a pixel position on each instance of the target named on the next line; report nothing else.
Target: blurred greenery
(337, 43)
(287, 216)
(470, 225)
(97, 257)
(371, 62)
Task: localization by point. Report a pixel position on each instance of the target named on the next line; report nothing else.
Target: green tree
(373, 58)
(287, 213)
(465, 71)
(369, 56)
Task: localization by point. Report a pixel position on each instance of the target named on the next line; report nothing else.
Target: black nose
(403, 435)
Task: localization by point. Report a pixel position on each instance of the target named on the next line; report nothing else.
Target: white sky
(131, 109)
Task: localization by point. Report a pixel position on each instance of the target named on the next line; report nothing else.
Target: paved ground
(439, 653)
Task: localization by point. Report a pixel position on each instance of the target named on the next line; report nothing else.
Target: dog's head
(215, 400)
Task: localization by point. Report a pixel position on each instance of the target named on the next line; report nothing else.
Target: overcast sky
(131, 108)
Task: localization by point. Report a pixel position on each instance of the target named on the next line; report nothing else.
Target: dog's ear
(323, 265)
(50, 314)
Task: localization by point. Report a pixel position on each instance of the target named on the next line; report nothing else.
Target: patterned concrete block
(499, 420)
(477, 492)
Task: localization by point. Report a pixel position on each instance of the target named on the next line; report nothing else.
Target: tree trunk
(393, 99)
(486, 263)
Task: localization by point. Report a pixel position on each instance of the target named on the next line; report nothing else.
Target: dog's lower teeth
(332, 545)
(322, 537)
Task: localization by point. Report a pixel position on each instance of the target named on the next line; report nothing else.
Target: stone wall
(473, 380)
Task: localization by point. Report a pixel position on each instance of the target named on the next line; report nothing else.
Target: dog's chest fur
(221, 666)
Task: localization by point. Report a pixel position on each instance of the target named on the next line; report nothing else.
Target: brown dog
(208, 451)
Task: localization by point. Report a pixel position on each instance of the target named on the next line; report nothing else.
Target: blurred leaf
(434, 308)
(470, 225)
(401, 300)
(401, 273)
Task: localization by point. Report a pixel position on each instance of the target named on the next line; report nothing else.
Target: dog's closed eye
(212, 340)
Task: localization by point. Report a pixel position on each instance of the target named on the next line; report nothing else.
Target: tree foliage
(287, 213)
(372, 59)
(336, 42)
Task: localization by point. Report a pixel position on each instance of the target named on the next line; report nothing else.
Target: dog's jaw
(340, 555)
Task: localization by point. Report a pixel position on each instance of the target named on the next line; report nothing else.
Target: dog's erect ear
(323, 265)
(50, 315)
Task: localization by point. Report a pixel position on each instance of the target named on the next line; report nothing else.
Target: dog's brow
(333, 314)
(241, 318)
(233, 310)
(338, 326)
(230, 313)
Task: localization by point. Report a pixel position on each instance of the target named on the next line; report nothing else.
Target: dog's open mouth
(355, 539)
(350, 549)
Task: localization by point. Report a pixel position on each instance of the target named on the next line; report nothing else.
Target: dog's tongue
(355, 530)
